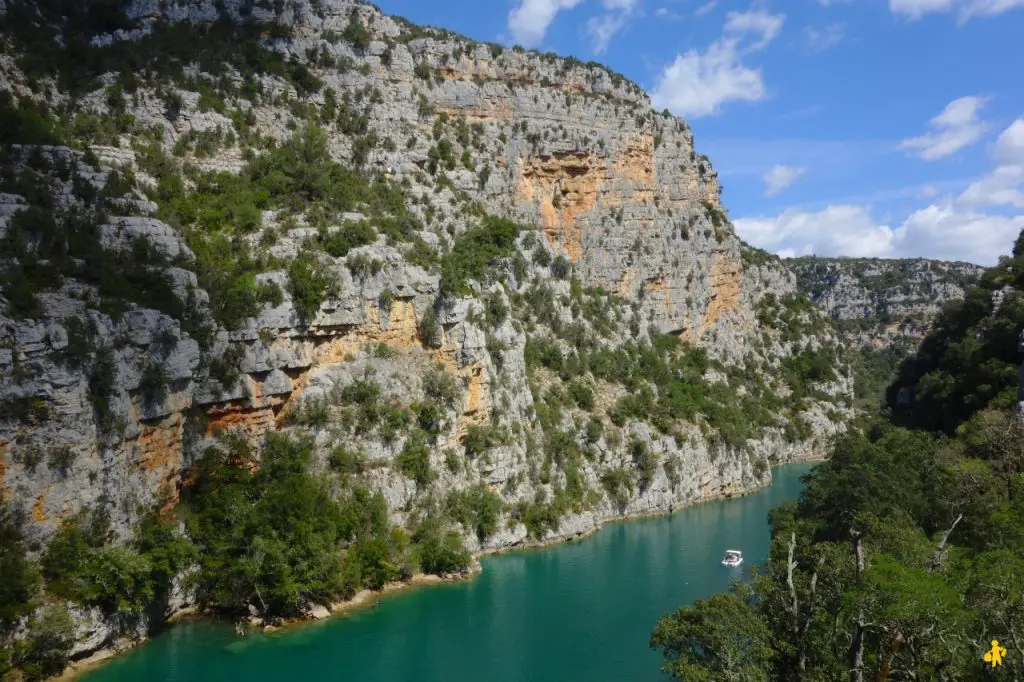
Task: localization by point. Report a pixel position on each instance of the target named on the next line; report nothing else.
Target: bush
(21, 579)
(356, 33)
(346, 462)
(440, 551)
(582, 395)
(474, 252)
(430, 330)
(477, 508)
(338, 242)
(539, 517)
(478, 439)
(645, 461)
(414, 459)
(271, 539)
(80, 564)
(309, 284)
(619, 486)
(561, 267)
(442, 387)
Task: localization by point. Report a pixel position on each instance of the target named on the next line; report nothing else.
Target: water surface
(581, 611)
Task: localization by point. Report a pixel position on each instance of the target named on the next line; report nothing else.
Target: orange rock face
(724, 280)
(566, 186)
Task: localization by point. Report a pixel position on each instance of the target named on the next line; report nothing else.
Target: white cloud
(966, 9)
(937, 231)
(1010, 145)
(755, 22)
(821, 39)
(1004, 186)
(529, 22)
(780, 177)
(949, 233)
(697, 83)
(1001, 187)
(837, 230)
(604, 27)
(915, 9)
(958, 126)
(948, 228)
(706, 8)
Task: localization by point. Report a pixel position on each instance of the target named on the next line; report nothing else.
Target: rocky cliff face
(881, 302)
(189, 254)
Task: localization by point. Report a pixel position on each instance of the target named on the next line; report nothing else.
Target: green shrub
(272, 539)
(539, 517)
(386, 300)
(619, 486)
(442, 386)
(645, 461)
(478, 439)
(309, 284)
(561, 267)
(356, 33)
(430, 330)
(28, 410)
(346, 462)
(440, 551)
(338, 242)
(21, 579)
(582, 395)
(474, 252)
(414, 459)
(477, 508)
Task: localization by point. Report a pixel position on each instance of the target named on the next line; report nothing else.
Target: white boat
(733, 557)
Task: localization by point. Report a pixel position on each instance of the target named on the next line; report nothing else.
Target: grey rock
(277, 383)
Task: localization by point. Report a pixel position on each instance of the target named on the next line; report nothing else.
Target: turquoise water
(581, 611)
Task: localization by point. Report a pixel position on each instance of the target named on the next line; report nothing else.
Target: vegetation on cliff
(234, 254)
(903, 557)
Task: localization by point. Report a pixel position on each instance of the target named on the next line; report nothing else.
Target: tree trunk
(937, 558)
(857, 640)
(794, 605)
(806, 627)
(890, 654)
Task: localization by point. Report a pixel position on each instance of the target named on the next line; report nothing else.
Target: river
(580, 611)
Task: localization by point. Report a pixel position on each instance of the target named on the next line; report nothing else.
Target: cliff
(882, 302)
(465, 264)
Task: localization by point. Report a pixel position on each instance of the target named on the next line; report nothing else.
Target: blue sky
(838, 127)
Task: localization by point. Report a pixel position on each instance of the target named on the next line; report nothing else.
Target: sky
(877, 128)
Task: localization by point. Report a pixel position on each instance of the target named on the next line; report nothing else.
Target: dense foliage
(970, 359)
(79, 565)
(474, 252)
(940, 526)
(275, 539)
(904, 557)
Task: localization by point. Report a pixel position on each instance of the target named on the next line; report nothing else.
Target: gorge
(300, 299)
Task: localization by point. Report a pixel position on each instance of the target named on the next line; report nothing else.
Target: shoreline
(367, 598)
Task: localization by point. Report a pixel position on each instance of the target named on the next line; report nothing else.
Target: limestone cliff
(163, 314)
(881, 302)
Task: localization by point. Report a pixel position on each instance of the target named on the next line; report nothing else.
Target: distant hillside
(883, 301)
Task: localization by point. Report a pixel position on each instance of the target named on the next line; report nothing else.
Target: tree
(440, 551)
(720, 638)
(20, 578)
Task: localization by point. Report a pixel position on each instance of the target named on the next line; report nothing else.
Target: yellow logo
(995, 655)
